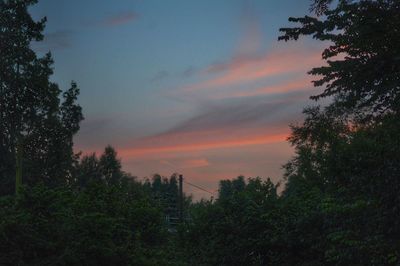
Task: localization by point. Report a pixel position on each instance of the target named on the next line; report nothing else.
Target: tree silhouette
(110, 166)
(363, 63)
(31, 114)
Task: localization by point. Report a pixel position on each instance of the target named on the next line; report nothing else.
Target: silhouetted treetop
(363, 55)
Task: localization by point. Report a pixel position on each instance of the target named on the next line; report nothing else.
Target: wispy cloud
(242, 69)
(189, 72)
(160, 75)
(94, 134)
(186, 163)
(252, 64)
(56, 40)
(233, 123)
(202, 145)
(224, 126)
(299, 85)
(119, 19)
(251, 27)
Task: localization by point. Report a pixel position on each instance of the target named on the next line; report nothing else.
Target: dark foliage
(102, 225)
(363, 63)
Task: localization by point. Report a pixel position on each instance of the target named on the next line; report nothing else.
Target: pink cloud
(241, 69)
(120, 19)
(186, 163)
(192, 143)
(302, 84)
(196, 163)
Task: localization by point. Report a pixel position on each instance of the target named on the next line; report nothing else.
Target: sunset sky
(202, 88)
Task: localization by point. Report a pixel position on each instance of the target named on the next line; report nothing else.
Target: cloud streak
(57, 40)
(241, 69)
(225, 126)
(119, 19)
(186, 163)
(160, 75)
(297, 85)
(189, 72)
(202, 145)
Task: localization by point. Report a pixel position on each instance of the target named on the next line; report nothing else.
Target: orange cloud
(184, 164)
(195, 163)
(203, 145)
(295, 85)
(223, 126)
(251, 68)
(119, 19)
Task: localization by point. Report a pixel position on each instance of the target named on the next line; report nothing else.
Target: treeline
(340, 204)
(104, 217)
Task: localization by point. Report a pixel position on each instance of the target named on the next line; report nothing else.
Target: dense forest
(340, 204)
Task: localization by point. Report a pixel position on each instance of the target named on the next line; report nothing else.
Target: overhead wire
(198, 187)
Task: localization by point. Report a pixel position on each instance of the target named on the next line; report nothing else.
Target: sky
(199, 88)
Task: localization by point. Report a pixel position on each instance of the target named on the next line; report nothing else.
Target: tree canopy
(363, 63)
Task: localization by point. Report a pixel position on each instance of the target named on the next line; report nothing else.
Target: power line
(198, 187)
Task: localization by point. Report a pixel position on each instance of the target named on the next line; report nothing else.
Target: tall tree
(88, 171)
(110, 166)
(30, 109)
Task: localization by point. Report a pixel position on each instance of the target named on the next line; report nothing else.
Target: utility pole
(180, 198)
